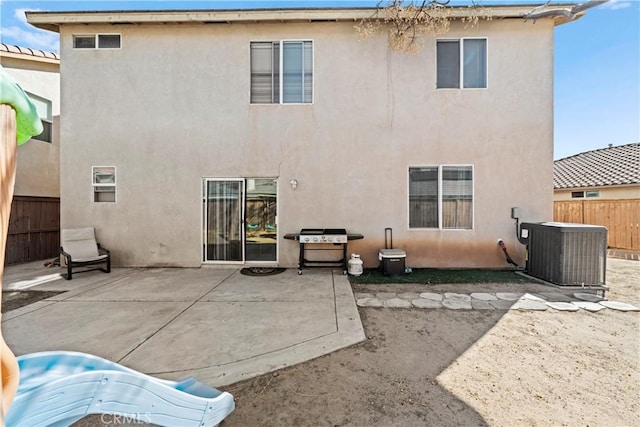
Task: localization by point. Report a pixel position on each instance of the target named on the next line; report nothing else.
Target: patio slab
(212, 323)
(256, 328)
(106, 329)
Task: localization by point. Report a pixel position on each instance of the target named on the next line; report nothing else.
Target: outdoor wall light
(294, 183)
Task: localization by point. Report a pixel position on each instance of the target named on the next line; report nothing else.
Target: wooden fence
(621, 217)
(34, 229)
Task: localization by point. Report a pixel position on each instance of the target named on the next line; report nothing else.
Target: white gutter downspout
(569, 14)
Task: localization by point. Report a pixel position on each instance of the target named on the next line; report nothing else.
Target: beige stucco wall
(606, 193)
(38, 168)
(172, 106)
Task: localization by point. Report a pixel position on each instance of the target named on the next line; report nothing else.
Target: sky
(596, 68)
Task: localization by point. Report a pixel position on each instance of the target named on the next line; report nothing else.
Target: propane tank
(355, 265)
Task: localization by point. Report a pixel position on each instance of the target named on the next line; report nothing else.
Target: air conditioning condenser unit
(566, 254)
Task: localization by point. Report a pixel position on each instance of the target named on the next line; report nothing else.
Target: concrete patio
(212, 323)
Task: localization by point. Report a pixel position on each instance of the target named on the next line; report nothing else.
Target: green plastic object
(28, 122)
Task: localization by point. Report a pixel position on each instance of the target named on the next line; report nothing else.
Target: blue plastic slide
(58, 388)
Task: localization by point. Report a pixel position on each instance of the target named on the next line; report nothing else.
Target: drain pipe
(570, 14)
(506, 254)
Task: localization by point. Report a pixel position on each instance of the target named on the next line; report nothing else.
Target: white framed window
(461, 63)
(583, 194)
(97, 41)
(44, 108)
(282, 72)
(441, 197)
(104, 183)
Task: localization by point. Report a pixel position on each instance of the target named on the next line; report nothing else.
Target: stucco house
(203, 137)
(34, 225)
(601, 187)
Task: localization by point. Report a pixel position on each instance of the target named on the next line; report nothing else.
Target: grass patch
(434, 276)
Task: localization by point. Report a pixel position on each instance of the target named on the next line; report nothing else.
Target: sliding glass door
(239, 220)
(260, 210)
(223, 213)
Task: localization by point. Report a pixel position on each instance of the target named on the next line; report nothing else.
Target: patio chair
(79, 248)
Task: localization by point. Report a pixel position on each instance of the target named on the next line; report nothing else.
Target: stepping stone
(426, 303)
(562, 306)
(483, 297)
(431, 296)
(529, 304)
(508, 296)
(396, 303)
(588, 297)
(555, 296)
(532, 297)
(386, 295)
(359, 295)
(589, 306)
(621, 306)
(459, 297)
(369, 302)
(501, 304)
(457, 303)
(409, 295)
(481, 305)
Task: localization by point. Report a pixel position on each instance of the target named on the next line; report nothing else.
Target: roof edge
(29, 54)
(597, 149)
(53, 20)
(590, 187)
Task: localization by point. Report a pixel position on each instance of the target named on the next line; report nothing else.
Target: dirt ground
(466, 367)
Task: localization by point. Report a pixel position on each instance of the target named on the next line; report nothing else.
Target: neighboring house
(601, 187)
(194, 137)
(34, 224)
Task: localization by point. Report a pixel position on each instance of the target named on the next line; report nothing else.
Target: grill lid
(311, 231)
(321, 231)
(337, 231)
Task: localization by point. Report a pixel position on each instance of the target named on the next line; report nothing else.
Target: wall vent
(566, 254)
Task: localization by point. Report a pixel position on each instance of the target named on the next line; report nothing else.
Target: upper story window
(441, 197)
(96, 41)
(282, 72)
(461, 63)
(44, 108)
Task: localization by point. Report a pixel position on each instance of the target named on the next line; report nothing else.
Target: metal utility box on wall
(566, 254)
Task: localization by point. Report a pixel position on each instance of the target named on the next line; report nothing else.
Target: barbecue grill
(323, 235)
(323, 239)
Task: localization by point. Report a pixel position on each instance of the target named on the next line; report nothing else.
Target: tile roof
(607, 166)
(10, 48)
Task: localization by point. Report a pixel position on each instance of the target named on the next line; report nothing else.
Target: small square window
(293, 84)
(441, 197)
(592, 193)
(461, 63)
(577, 194)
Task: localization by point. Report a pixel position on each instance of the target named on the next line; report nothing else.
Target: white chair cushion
(99, 257)
(80, 243)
